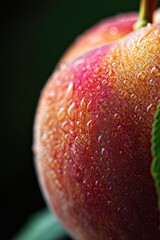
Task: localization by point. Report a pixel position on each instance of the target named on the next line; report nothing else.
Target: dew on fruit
(66, 137)
(97, 70)
(64, 125)
(89, 105)
(69, 91)
(104, 82)
(76, 139)
(125, 81)
(151, 81)
(119, 127)
(78, 123)
(124, 93)
(141, 76)
(71, 123)
(96, 182)
(80, 114)
(99, 138)
(133, 96)
(110, 73)
(136, 109)
(116, 116)
(70, 110)
(151, 109)
(135, 115)
(61, 113)
(141, 119)
(84, 181)
(83, 103)
(89, 124)
(155, 71)
(104, 152)
(118, 209)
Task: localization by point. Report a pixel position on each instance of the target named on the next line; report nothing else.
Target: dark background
(34, 34)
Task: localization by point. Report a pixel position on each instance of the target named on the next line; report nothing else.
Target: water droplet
(104, 152)
(89, 105)
(119, 127)
(141, 76)
(83, 103)
(125, 81)
(151, 109)
(110, 73)
(77, 139)
(151, 81)
(97, 70)
(69, 90)
(141, 119)
(71, 110)
(84, 181)
(116, 116)
(71, 123)
(155, 71)
(99, 138)
(96, 182)
(64, 125)
(81, 114)
(78, 123)
(133, 96)
(124, 93)
(136, 109)
(89, 124)
(67, 137)
(61, 113)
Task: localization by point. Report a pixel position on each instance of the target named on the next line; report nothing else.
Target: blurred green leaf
(155, 167)
(42, 226)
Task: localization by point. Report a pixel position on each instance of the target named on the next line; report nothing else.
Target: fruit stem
(146, 11)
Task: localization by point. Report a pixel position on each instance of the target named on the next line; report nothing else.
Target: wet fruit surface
(92, 140)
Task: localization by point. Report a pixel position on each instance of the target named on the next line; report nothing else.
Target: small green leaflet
(155, 166)
(41, 226)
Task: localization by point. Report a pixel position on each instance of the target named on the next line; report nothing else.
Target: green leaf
(155, 166)
(42, 226)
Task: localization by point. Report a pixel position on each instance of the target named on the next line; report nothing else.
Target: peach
(92, 135)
